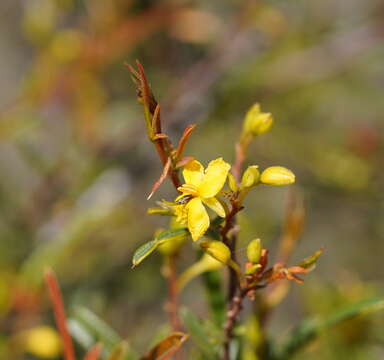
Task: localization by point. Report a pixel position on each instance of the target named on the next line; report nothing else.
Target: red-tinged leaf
(263, 259)
(135, 74)
(184, 161)
(160, 136)
(161, 178)
(58, 307)
(156, 125)
(147, 94)
(143, 90)
(298, 270)
(183, 140)
(94, 352)
(167, 347)
(294, 278)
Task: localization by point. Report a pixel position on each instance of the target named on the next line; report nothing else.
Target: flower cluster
(204, 190)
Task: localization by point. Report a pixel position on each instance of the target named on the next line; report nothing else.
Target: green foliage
(87, 328)
(148, 248)
(199, 335)
(311, 328)
(215, 295)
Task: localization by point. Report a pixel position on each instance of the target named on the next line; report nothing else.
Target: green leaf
(81, 334)
(87, 328)
(215, 295)
(198, 334)
(118, 353)
(148, 248)
(171, 234)
(102, 331)
(310, 261)
(309, 329)
(143, 251)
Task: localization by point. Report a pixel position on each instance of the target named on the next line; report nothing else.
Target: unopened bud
(232, 183)
(210, 263)
(250, 177)
(252, 268)
(217, 250)
(254, 251)
(257, 122)
(277, 175)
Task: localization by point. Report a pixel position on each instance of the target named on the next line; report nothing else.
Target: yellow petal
(198, 219)
(214, 178)
(193, 173)
(215, 205)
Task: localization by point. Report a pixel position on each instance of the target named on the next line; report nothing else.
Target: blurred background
(76, 166)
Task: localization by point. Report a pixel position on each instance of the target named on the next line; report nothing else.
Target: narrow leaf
(143, 251)
(100, 330)
(94, 352)
(60, 317)
(162, 177)
(148, 248)
(118, 352)
(171, 234)
(198, 334)
(156, 124)
(310, 261)
(160, 136)
(80, 333)
(167, 347)
(309, 329)
(183, 140)
(144, 85)
(215, 295)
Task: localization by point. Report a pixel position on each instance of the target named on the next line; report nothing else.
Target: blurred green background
(76, 166)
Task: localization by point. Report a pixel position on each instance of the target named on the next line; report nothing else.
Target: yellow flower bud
(257, 122)
(43, 342)
(232, 183)
(218, 250)
(277, 175)
(250, 177)
(254, 251)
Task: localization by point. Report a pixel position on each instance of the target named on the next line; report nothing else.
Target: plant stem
(231, 243)
(234, 300)
(173, 301)
(235, 307)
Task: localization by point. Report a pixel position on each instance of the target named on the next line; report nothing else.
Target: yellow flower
(202, 187)
(43, 341)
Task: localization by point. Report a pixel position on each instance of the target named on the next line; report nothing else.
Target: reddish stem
(94, 352)
(58, 307)
(173, 301)
(234, 310)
